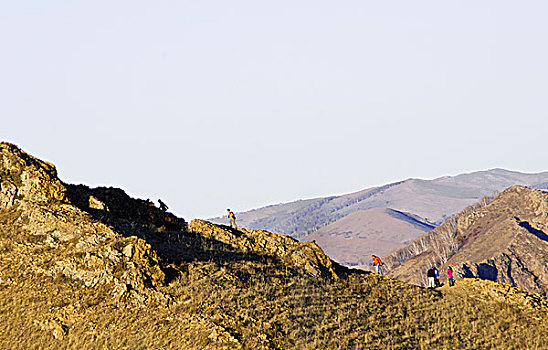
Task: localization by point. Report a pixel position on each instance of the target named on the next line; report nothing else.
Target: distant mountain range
(378, 220)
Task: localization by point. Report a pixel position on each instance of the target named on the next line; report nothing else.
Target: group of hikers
(433, 276)
(432, 273)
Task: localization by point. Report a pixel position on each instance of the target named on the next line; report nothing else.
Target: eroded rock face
(95, 203)
(57, 238)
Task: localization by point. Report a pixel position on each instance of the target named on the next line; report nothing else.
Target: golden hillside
(85, 268)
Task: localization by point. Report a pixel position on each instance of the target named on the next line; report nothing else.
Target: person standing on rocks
(378, 263)
(232, 219)
(431, 274)
(450, 276)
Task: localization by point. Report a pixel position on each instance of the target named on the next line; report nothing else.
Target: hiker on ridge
(378, 263)
(431, 274)
(450, 276)
(163, 206)
(437, 278)
(232, 219)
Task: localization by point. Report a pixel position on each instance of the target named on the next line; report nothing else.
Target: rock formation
(306, 256)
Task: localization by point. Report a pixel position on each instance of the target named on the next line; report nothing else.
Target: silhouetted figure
(163, 206)
(232, 219)
(450, 276)
(378, 263)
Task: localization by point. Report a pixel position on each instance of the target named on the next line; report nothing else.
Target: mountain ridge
(429, 201)
(503, 239)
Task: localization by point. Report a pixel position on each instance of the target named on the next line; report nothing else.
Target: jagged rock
(307, 256)
(87, 250)
(8, 192)
(94, 203)
(26, 178)
(128, 251)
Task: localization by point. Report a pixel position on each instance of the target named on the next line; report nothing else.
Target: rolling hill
(352, 239)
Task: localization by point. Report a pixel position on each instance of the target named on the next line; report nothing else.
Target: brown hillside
(353, 239)
(85, 268)
(504, 241)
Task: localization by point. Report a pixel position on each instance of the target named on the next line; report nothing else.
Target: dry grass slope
(78, 274)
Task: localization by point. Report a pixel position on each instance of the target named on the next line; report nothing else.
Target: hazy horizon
(213, 104)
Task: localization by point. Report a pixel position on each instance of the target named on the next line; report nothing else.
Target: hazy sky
(241, 104)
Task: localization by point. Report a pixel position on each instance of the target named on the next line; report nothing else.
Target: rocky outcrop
(104, 238)
(26, 179)
(306, 256)
(39, 221)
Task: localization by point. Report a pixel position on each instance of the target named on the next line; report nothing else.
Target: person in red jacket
(450, 276)
(378, 263)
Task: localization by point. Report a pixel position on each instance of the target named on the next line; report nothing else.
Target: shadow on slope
(410, 218)
(176, 243)
(526, 225)
(167, 234)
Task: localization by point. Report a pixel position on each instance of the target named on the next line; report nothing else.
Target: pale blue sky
(241, 104)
